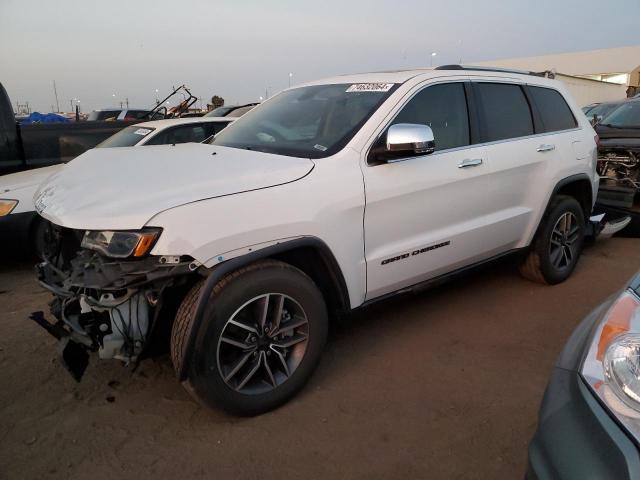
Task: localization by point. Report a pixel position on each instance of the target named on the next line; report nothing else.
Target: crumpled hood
(618, 137)
(28, 178)
(122, 188)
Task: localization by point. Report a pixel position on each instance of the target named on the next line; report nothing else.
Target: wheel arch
(309, 254)
(578, 186)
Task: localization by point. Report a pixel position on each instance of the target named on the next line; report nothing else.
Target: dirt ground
(444, 384)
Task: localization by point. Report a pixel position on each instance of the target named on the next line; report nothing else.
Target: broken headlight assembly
(7, 206)
(121, 244)
(611, 367)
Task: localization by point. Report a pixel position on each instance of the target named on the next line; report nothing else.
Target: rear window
(505, 111)
(135, 114)
(101, 115)
(556, 114)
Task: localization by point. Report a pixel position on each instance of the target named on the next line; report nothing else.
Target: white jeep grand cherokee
(327, 197)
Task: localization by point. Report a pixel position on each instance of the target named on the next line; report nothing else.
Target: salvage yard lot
(444, 384)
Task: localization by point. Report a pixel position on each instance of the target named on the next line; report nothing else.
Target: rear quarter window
(505, 111)
(554, 111)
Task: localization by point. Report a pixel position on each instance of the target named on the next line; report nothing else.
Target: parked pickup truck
(23, 147)
(327, 197)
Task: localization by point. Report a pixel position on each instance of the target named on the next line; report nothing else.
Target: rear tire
(260, 339)
(557, 246)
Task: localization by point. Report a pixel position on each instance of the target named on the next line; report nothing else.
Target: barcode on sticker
(370, 87)
(142, 131)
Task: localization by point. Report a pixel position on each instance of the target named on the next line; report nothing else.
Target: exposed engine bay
(104, 305)
(620, 167)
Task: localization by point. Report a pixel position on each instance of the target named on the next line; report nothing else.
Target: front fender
(218, 272)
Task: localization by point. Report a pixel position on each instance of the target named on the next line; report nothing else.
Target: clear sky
(238, 49)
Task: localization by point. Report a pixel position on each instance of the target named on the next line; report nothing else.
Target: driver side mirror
(595, 120)
(410, 139)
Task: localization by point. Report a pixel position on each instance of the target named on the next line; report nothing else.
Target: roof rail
(547, 73)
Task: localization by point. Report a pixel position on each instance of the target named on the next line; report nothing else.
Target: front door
(429, 214)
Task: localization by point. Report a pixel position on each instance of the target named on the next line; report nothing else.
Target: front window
(127, 137)
(191, 133)
(442, 107)
(626, 115)
(311, 122)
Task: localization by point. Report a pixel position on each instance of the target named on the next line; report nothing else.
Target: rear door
(530, 133)
(521, 159)
(427, 215)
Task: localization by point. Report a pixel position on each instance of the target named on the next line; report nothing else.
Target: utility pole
(127, 100)
(55, 92)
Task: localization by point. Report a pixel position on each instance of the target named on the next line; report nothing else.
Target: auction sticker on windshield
(143, 131)
(369, 87)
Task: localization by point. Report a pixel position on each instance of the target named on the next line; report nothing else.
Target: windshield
(626, 115)
(311, 122)
(603, 109)
(127, 137)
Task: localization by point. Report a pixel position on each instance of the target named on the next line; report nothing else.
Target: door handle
(473, 162)
(546, 148)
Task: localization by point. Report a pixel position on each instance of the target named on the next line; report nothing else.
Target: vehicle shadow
(361, 331)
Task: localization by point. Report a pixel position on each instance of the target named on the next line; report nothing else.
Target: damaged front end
(620, 166)
(106, 305)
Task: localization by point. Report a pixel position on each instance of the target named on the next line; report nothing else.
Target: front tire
(260, 339)
(558, 243)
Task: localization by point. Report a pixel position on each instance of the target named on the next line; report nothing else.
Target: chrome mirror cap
(411, 138)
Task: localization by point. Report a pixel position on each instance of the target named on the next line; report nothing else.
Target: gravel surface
(443, 384)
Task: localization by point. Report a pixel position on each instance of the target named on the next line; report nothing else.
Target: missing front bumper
(106, 305)
(74, 356)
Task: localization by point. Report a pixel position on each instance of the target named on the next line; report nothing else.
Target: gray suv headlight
(121, 244)
(611, 367)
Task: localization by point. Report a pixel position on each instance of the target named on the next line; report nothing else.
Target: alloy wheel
(262, 344)
(564, 241)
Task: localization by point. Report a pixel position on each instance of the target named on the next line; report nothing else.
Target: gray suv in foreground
(589, 421)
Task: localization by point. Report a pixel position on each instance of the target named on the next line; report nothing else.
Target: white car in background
(19, 223)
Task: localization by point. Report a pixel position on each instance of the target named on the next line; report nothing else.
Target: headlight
(119, 244)
(7, 206)
(612, 365)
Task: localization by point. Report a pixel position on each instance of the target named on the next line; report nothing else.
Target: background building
(592, 76)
